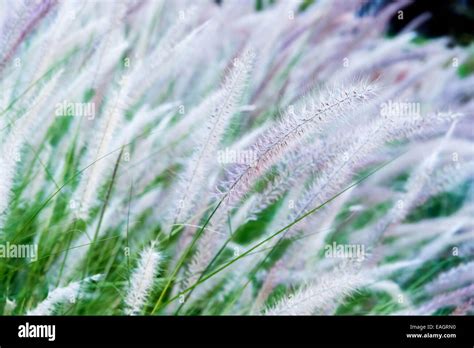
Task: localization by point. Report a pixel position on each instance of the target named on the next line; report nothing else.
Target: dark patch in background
(453, 18)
